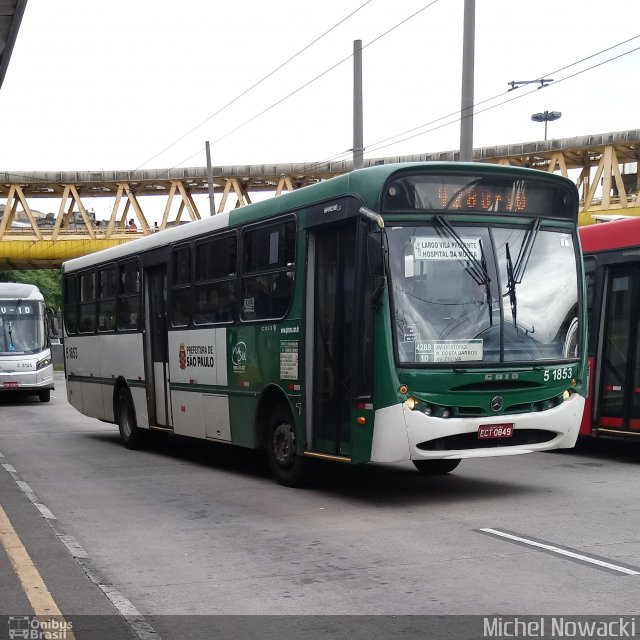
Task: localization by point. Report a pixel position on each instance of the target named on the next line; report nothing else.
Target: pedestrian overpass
(603, 166)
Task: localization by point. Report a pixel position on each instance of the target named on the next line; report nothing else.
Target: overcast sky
(111, 85)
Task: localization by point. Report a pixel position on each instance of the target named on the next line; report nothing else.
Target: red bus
(612, 268)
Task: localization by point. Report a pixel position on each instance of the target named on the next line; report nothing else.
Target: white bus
(25, 353)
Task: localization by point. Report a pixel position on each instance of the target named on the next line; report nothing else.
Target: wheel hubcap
(284, 444)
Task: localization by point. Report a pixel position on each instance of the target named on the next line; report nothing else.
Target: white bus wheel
(130, 434)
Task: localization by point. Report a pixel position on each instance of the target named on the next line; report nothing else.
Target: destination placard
(446, 249)
(449, 351)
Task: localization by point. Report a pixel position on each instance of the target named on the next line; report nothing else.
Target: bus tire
(44, 395)
(131, 436)
(435, 467)
(286, 465)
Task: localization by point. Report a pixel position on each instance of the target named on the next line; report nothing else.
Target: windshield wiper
(475, 268)
(515, 273)
(511, 287)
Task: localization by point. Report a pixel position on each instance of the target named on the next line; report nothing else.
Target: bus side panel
(83, 355)
(188, 413)
(216, 417)
(121, 356)
(243, 412)
(197, 367)
(74, 395)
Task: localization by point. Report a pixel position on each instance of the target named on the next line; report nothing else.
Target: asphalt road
(194, 529)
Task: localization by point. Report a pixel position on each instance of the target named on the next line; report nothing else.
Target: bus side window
(215, 280)
(181, 292)
(71, 304)
(87, 315)
(129, 296)
(107, 289)
(268, 261)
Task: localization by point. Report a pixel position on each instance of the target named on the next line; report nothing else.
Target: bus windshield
(22, 327)
(483, 294)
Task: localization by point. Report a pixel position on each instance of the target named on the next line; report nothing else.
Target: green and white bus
(421, 311)
(25, 352)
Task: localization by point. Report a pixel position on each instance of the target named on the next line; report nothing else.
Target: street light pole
(546, 116)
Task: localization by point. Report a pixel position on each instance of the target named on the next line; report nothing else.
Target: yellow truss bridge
(604, 167)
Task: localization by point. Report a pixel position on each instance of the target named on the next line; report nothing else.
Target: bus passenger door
(331, 315)
(618, 384)
(157, 360)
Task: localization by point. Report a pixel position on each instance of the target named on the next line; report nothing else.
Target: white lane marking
(24, 486)
(8, 468)
(135, 619)
(563, 552)
(73, 546)
(44, 510)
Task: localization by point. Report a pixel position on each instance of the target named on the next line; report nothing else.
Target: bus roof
(610, 235)
(19, 291)
(367, 183)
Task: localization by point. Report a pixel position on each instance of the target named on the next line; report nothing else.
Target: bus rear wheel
(286, 465)
(44, 395)
(131, 436)
(435, 467)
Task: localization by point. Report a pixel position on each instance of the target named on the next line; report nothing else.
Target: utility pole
(212, 204)
(466, 109)
(358, 138)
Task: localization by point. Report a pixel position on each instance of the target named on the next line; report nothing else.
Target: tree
(47, 280)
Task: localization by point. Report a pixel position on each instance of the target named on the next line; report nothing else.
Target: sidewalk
(31, 537)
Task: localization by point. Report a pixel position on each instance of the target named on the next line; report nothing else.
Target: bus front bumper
(401, 434)
(27, 380)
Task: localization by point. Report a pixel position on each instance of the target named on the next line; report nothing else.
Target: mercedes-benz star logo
(496, 403)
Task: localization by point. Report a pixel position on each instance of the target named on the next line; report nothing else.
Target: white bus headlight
(45, 362)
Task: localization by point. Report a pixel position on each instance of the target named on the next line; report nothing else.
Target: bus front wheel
(435, 467)
(286, 465)
(131, 436)
(44, 395)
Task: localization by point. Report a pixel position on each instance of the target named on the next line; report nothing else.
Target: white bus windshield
(22, 327)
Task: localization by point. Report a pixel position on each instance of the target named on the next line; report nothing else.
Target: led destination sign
(11, 309)
(479, 194)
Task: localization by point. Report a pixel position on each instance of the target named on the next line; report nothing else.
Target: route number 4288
(563, 373)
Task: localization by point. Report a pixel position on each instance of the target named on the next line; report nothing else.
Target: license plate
(495, 431)
(10, 385)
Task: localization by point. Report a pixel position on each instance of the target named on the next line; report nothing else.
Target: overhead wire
(306, 84)
(256, 84)
(497, 96)
(378, 145)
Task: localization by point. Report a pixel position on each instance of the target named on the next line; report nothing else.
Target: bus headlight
(411, 403)
(45, 362)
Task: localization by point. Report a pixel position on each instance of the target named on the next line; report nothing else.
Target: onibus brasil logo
(34, 628)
